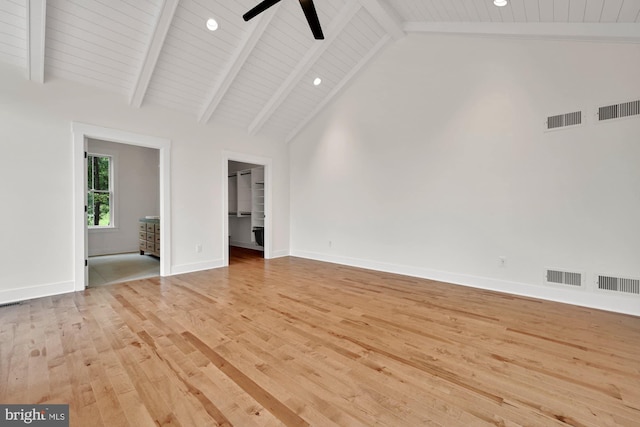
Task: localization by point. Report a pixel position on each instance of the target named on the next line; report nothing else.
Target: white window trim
(113, 187)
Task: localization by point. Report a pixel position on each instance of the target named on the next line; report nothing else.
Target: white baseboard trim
(196, 266)
(579, 297)
(38, 291)
(279, 254)
(113, 252)
(246, 245)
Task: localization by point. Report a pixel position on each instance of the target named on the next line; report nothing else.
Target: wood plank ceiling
(258, 75)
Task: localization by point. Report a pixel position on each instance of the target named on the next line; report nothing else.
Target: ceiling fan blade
(312, 18)
(261, 7)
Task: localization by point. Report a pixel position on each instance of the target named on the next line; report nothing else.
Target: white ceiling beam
(338, 88)
(386, 16)
(618, 32)
(235, 64)
(36, 27)
(153, 53)
(319, 47)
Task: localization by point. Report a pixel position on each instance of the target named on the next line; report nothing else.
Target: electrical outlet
(502, 261)
(198, 248)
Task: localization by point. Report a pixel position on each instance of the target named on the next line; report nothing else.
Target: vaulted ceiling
(258, 75)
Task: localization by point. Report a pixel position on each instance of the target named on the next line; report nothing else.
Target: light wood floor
(297, 342)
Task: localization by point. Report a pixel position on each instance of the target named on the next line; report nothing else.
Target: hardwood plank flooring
(297, 342)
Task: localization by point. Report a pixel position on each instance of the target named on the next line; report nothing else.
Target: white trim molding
(614, 303)
(279, 254)
(80, 133)
(197, 266)
(22, 294)
(268, 209)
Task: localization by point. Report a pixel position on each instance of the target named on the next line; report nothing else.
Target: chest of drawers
(149, 236)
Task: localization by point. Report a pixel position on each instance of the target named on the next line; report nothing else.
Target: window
(100, 191)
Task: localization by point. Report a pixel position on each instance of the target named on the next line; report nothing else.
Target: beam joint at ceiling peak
(338, 88)
(386, 16)
(344, 16)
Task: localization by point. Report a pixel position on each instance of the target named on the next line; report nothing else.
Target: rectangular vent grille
(617, 111)
(564, 277)
(10, 304)
(564, 120)
(619, 284)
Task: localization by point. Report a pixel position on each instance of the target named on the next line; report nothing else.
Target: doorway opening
(247, 207)
(118, 268)
(82, 133)
(123, 197)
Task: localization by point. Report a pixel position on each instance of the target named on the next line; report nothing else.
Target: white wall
(136, 195)
(36, 182)
(434, 163)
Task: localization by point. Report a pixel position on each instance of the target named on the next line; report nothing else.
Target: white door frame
(81, 132)
(256, 160)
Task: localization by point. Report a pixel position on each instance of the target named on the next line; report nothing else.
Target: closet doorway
(247, 207)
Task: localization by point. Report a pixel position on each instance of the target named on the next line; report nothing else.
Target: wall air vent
(619, 111)
(618, 284)
(8, 304)
(559, 277)
(564, 120)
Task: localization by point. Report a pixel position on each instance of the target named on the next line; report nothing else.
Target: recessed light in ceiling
(212, 24)
(317, 81)
(500, 3)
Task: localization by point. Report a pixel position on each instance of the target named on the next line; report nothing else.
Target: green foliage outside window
(99, 191)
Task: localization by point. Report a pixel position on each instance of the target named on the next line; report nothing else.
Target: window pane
(99, 209)
(99, 196)
(105, 210)
(101, 173)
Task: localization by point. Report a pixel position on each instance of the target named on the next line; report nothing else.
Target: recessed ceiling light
(500, 3)
(317, 81)
(212, 24)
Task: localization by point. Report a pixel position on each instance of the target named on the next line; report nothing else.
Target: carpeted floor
(110, 269)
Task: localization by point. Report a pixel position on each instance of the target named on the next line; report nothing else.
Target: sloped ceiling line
(149, 51)
(153, 53)
(345, 15)
(386, 16)
(36, 27)
(336, 90)
(236, 63)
